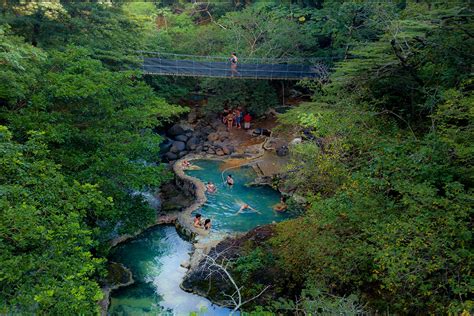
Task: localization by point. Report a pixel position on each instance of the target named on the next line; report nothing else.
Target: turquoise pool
(221, 207)
(154, 258)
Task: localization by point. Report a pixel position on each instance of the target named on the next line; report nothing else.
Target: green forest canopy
(388, 224)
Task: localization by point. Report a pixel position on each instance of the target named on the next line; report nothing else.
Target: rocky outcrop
(118, 276)
(161, 219)
(177, 147)
(230, 248)
(192, 187)
(282, 151)
(212, 137)
(204, 138)
(182, 138)
(170, 156)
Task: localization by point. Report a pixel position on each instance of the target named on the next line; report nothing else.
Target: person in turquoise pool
(230, 181)
(207, 224)
(245, 207)
(210, 187)
(197, 221)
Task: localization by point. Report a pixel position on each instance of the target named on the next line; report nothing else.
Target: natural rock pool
(221, 207)
(154, 257)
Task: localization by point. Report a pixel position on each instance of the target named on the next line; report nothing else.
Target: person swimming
(244, 207)
(230, 180)
(197, 221)
(207, 224)
(210, 187)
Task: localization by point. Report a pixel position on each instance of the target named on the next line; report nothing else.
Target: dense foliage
(387, 172)
(79, 145)
(385, 164)
(46, 262)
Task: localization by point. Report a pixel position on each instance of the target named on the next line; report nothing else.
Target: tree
(98, 125)
(386, 168)
(34, 14)
(255, 96)
(19, 63)
(218, 265)
(46, 260)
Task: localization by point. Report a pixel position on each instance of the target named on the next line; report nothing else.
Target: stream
(154, 257)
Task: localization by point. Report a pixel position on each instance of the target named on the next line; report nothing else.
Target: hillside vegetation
(387, 171)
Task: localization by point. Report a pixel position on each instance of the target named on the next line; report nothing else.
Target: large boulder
(176, 130)
(179, 129)
(211, 151)
(223, 135)
(181, 138)
(219, 152)
(182, 154)
(213, 137)
(218, 144)
(192, 143)
(171, 156)
(229, 149)
(282, 151)
(296, 141)
(207, 130)
(166, 145)
(177, 147)
(261, 131)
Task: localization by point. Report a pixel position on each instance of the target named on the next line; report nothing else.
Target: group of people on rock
(235, 118)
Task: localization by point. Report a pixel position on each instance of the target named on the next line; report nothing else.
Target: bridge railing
(242, 59)
(290, 68)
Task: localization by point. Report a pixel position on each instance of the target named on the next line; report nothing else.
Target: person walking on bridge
(233, 64)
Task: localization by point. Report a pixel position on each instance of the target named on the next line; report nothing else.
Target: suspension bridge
(167, 64)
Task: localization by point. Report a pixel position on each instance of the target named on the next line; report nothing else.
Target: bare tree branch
(210, 266)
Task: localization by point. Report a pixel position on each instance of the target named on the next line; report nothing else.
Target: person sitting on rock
(197, 221)
(244, 207)
(210, 187)
(186, 164)
(207, 224)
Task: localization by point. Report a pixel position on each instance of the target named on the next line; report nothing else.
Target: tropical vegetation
(385, 165)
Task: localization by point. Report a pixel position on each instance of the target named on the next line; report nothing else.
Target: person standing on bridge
(233, 64)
